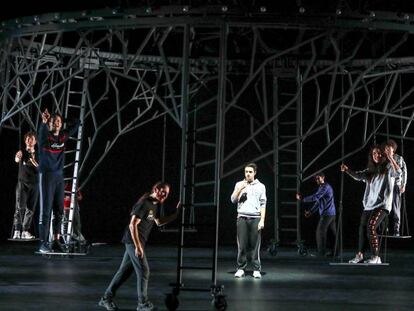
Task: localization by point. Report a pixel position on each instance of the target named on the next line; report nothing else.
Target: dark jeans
(325, 223)
(248, 242)
(396, 208)
(51, 198)
(26, 199)
(131, 263)
(369, 223)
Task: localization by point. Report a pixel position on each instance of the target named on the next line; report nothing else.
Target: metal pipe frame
(182, 65)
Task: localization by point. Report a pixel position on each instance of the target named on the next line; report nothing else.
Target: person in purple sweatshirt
(52, 158)
(323, 200)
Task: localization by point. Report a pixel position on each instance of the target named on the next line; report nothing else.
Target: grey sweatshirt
(379, 189)
(256, 199)
(401, 180)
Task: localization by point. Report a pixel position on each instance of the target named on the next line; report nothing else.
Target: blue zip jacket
(324, 200)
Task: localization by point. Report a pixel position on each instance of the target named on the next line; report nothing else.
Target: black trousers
(129, 264)
(26, 199)
(325, 223)
(248, 243)
(368, 225)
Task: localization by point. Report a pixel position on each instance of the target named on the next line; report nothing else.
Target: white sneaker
(257, 275)
(16, 234)
(27, 235)
(239, 273)
(373, 260)
(358, 258)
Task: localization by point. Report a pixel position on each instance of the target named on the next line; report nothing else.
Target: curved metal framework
(260, 87)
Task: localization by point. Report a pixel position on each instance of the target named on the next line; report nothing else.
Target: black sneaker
(147, 306)
(108, 304)
(58, 247)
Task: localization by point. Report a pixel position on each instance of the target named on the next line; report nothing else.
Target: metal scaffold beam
(237, 88)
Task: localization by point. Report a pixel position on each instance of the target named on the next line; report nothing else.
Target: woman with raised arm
(379, 178)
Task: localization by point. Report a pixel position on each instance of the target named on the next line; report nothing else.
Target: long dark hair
(376, 168)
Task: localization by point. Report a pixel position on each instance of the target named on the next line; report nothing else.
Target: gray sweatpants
(248, 242)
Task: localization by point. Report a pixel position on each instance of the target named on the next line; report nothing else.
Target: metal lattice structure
(298, 93)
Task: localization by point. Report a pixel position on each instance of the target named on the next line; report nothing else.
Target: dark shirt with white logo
(52, 148)
(147, 211)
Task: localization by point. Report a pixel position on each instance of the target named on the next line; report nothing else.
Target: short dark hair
(320, 174)
(160, 184)
(392, 143)
(252, 165)
(30, 134)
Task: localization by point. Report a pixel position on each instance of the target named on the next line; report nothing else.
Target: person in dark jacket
(27, 189)
(323, 200)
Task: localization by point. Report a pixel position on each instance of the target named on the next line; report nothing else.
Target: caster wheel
(219, 303)
(302, 250)
(171, 302)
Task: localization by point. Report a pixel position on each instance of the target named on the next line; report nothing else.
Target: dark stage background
(135, 164)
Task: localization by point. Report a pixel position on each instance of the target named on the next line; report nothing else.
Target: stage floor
(289, 282)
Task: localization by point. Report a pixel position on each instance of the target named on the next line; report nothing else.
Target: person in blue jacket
(52, 158)
(324, 202)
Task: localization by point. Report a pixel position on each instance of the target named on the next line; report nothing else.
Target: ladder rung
(288, 203)
(205, 143)
(288, 150)
(205, 163)
(287, 189)
(288, 216)
(288, 163)
(204, 183)
(191, 289)
(70, 151)
(205, 128)
(288, 123)
(195, 268)
(195, 289)
(204, 204)
(288, 229)
(287, 136)
(288, 175)
(73, 106)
